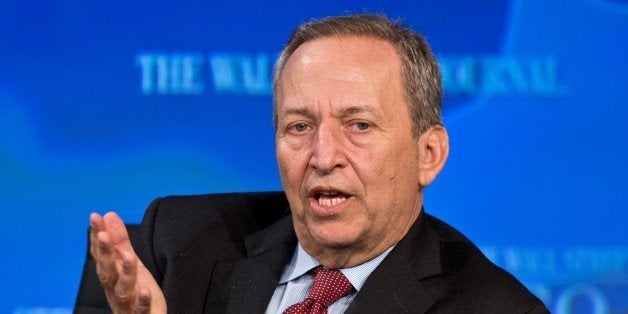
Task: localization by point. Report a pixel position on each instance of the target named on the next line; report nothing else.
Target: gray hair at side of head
(421, 75)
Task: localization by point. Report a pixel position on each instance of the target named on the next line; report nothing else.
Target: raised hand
(129, 286)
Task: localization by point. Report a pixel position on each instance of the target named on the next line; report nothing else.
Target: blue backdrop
(106, 105)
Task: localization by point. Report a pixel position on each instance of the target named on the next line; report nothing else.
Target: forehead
(341, 67)
(350, 56)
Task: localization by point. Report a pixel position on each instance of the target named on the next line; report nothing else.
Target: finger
(106, 261)
(96, 224)
(125, 292)
(119, 235)
(144, 301)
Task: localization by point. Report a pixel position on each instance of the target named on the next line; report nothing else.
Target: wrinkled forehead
(340, 64)
(336, 52)
(344, 51)
(341, 77)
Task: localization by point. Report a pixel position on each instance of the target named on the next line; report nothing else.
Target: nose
(327, 150)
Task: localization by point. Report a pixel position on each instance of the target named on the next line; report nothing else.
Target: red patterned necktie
(329, 286)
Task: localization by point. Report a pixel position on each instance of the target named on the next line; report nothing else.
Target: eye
(299, 127)
(361, 126)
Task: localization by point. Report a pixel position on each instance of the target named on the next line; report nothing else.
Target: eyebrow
(358, 109)
(298, 111)
(351, 110)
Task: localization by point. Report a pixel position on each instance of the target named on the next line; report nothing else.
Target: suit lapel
(400, 283)
(255, 277)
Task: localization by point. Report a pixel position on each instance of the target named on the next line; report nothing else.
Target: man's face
(348, 161)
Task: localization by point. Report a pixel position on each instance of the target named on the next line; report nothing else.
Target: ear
(433, 152)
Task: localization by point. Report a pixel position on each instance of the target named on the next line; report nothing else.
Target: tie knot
(329, 286)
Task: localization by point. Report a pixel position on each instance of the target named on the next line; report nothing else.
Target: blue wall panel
(105, 106)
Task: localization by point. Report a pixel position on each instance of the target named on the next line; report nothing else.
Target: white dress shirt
(295, 282)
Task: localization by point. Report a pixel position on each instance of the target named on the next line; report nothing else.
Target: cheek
(292, 165)
(364, 161)
(375, 167)
(291, 177)
(387, 171)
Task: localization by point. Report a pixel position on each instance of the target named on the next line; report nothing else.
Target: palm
(123, 285)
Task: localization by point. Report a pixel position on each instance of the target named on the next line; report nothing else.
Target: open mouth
(330, 198)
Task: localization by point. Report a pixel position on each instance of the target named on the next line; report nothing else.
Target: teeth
(325, 200)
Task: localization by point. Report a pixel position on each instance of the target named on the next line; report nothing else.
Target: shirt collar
(302, 262)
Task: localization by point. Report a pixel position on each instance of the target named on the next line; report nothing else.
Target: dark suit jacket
(226, 253)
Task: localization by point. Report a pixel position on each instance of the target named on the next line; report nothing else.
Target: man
(358, 136)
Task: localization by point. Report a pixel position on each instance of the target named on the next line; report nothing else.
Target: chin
(334, 236)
